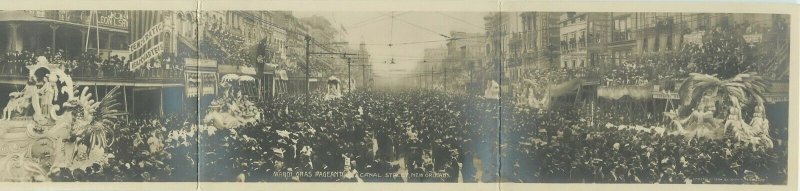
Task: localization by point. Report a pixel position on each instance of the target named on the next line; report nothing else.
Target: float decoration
(705, 98)
(334, 91)
(232, 109)
(50, 125)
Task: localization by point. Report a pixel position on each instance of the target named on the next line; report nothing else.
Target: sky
(410, 32)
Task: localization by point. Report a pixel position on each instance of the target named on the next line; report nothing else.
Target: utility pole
(308, 65)
(444, 78)
(349, 77)
(431, 84)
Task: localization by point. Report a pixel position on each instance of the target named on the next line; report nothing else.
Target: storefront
(74, 32)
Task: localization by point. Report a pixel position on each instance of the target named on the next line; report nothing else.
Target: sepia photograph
(643, 97)
(296, 96)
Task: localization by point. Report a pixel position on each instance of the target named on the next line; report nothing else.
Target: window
(628, 24)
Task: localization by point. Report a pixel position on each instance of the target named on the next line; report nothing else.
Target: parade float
(715, 109)
(233, 109)
(535, 95)
(333, 91)
(51, 124)
(492, 90)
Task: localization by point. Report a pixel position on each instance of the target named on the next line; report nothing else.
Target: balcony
(94, 76)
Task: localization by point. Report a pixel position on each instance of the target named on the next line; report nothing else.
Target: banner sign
(149, 35)
(753, 38)
(148, 55)
(659, 95)
(200, 64)
(113, 19)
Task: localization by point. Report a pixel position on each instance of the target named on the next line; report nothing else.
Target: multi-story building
(361, 61)
(540, 39)
(503, 43)
(73, 32)
(431, 64)
(466, 53)
(583, 39)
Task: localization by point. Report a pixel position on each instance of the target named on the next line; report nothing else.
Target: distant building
(540, 39)
(583, 39)
(464, 64)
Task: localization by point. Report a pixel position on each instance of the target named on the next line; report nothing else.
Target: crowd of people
(364, 136)
(426, 136)
(144, 148)
(568, 145)
(648, 69)
(226, 47)
(89, 64)
(555, 76)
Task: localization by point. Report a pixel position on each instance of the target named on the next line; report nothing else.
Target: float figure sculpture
(48, 126)
(702, 94)
(232, 109)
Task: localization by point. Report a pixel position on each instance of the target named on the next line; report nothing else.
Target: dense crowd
(225, 46)
(403, 132)
(147, 148)
(649, 68)
(567, 144)
(427, 136)
(89, 64)
(555, 76)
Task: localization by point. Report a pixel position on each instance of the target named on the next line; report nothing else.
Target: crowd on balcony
(226, 47)
(91, 65)
(647, 69)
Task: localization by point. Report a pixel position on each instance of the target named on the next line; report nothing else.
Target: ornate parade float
(233, 109)
(716, 109)
(52, 124)
(333, 91)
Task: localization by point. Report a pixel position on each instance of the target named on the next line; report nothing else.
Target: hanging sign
(149, 35)
(148, 55)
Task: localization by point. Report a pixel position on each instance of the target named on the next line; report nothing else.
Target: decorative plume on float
(50, 124)
(714, 108)
(232, 109)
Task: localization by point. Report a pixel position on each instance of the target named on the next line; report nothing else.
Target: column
(108, 40)
(54, 28)
(14, 40)
(84, 37)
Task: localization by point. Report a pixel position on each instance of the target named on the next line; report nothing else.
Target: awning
(634, 92)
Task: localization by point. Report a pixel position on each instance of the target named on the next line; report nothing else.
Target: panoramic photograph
(394, 97)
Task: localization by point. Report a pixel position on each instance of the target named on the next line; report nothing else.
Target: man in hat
(278, 167)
